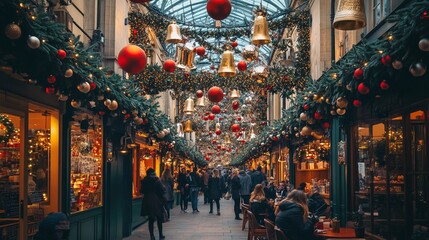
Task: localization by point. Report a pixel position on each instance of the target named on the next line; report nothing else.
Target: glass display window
(86, 162)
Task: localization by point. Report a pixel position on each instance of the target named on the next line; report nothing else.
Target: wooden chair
(280, 235)
(244, 209)
(255, 230)
(271, 233)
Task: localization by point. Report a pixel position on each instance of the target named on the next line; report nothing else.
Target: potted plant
(357, 218)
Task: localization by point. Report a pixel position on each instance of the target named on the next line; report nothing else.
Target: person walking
(153, 202)
(258, 177)
(168, 183)
(194, 189)
(183, 186)
(246, 184)
(216, 187)
(205, 178)
(235, 192)
(55, 226)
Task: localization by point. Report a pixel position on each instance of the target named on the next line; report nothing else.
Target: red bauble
(92, 85)
(424, 15)
(219, 146)
(218, 132)
(211, 116)
(135, 31)
(200, 51)
(384, 85)
(169, 65)
(132, 59)
(235, 104)
(216, 109)
(61, 54)
(235, 127)
(218, 9)
(239, 118)
(50, 90)
(325, 125)
(52, 79)
(317, 115)
(275, 139)
(207, 158)
(306, 107)
(234, 44)
(101, 113)
(186, 74)
(200, 94)
(215, 94)
(357, 103)
(358, 74)
(363, 89)
(214, 141)
(145, 121)
(242, 66)
(386, 60)
(206, 118)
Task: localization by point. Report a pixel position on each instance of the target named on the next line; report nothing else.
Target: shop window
(86, 162)
(380, 10)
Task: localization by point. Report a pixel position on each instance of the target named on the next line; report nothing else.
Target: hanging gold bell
(235, 94)
(188, 109)
(217, 126)
(200, 102)
(260, 30)
(250, 52)
(350, 15)
(188, 126)
(226, 67)
(180, 132)
(185, 56)
(173, 33)
(259, 73)
(227, 139)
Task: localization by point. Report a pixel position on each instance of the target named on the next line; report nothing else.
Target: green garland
(9, 129)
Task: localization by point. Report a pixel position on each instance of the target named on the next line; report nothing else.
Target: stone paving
(189, 226)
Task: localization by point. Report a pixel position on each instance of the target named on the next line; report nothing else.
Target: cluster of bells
(185, 51)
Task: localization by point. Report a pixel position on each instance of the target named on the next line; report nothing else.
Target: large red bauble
(234, 44)
(200, 94)
(357, 103)
(169, 65)
(242, 66)
(318, 116)
(384, 85)
(235, 127)
(218, 132)
(52, 79)
(235, 104)
(358, 74)
(216, 109)
(200, 51)
(215, 94)
(211, 116)
(218, 9)
(386, 60)
(325, 125)
(132, 59)
(363, 89)
(61, 54)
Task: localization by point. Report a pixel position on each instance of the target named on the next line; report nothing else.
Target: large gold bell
(173, 33)
(188, 109)
(235, 94)
(217, 126)
(260, 30)
(226, 67)
(350, 15)
(200, 102)
(185, 56)
(188, 126)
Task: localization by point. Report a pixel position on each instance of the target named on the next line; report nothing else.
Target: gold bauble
(84, 87)
(68, 73)
(113, 105)
(342, 102)
(75, 103)
(12, 31)
(341, 111)
(107, 102)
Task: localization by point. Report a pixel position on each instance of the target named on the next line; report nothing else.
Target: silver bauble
(397, 65)
(107, 102)
(303, 116)
(68, 73)
(341, 111)
(417, 69)
(342, 102)
(33, 42)
(424, 44)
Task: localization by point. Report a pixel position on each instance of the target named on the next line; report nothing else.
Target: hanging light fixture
(189, 106)
(260, 30)
(350, 15)
(226, 67)
(173, 33)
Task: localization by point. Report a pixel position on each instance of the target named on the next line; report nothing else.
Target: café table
(344, 233)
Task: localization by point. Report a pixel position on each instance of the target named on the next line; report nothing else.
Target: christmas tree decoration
(386, 60)
(342, 102)
(424, 44)
(200, 51)
(239, 118)
(75, 103)
(218, 132)
(138, 120)
(132, 59)
(318, 115)
(173, 33)
(235, 94)
(107, 102)
(259, 74)
(206, 118)
(250, 53)
(306, 131)
(219, 9)
(417, 69)
(215, 94)
(50, 90)
(113, 105)
(68, 73)
(363, 89)
(188, 108)
(199, 94)
(188, 126)
(200, 102)
(424, 15)
(341, 111)
(61, 54)
(84, 87)
(234, 44)
(169, 65)
(303, 116)
(260, 30)
(33, 42)
(306, 107)
(226, 67)
(185, 57)
(12, 31)
(235, 127)
(52, 79)
(242, 66)
(92, 85)
(357, 103)
(350, 15)
(384, 85)
(63, 97)
(326, 125)
(235, 105)
(211, 116)
(397, 65)
(216, 109)
(358, 74)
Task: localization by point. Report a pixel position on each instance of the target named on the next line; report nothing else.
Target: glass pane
(86, 162)
(377, 14)
(386, 8)
(421, 199)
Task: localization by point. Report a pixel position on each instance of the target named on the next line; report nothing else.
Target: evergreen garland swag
(7, 130)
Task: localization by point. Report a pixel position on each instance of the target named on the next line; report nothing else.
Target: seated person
(316, 203)
(292, 217)
(269, 190)
(260, 206)
(55, 226)
(281, 190)
(302, 186)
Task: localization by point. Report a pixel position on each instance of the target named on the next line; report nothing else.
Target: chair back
(280, 235)
(253, 223)
(271, 233)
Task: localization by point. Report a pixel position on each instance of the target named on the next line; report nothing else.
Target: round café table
(344, 233)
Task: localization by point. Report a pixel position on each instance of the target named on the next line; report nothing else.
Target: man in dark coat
(55, 226)
(258, 177)
(194, 188)
(235, 192)
(183, 186)
(153, 201)
(246, 184)
(316, 203)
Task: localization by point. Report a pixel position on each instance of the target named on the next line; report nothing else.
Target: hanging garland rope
(7, 130)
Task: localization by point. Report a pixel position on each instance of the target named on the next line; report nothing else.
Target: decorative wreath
(7, 130)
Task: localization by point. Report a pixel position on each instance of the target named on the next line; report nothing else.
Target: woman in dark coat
(215, 189)
(235, 192)
(153, 201)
